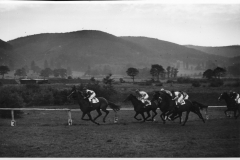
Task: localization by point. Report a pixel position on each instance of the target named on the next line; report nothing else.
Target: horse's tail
(201, 107)
(114, 106)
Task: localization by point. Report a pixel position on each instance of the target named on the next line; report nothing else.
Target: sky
(201, 23)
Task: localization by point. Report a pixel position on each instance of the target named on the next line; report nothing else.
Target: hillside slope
(226, 51)
(81, 49)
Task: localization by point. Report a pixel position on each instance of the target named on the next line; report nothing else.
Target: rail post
(69, 118)
(13, 122)
(115, 118)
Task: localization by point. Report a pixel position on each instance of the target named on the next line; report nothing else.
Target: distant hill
(6, 54)
(172, 52)
(82, 49)
(5, 45)
(225, 51)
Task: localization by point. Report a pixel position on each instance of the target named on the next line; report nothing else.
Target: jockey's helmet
(162, 89)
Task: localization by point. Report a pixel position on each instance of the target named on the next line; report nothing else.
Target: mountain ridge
(84, 48)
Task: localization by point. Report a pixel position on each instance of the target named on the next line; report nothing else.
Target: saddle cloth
(94, 100)
(146, 102)
(182, 102)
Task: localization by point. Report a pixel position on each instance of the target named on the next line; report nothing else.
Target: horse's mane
(133, 95)
(199, 104)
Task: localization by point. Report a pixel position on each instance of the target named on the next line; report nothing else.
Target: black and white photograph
(120, 79)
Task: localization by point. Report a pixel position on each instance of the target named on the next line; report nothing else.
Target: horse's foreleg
(99, 114)
(144, 119)
(148, 115)
(107, 112)
(136, 116)
(90, 117)
(155, 113)
(186, 118)
(179, 115)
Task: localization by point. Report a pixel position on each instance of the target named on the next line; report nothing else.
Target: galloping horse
(164, 106)
(140, 109)
(86, 109)
(167, 106)
(231, 104)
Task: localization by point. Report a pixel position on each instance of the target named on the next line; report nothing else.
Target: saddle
(94, 100)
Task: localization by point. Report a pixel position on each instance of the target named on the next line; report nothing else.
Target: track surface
(46, 134)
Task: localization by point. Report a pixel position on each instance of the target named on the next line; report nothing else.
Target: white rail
(13, 122)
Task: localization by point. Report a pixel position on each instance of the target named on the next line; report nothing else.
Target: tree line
(156, 72)
(46, 72)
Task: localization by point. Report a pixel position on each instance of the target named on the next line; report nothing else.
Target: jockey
(234, 95)
(143, 96)
(89, 94)
(179, 97)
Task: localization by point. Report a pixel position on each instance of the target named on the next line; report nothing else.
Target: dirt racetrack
(46, 134)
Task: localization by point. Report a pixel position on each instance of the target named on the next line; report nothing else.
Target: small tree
(168, 71)
(157, 70)
(56, 72)
(4, 70)
(219, 72)
(209, 74)
(20, 72)
(108, 80)
(46, 72)
(175, 72)
(132, 72)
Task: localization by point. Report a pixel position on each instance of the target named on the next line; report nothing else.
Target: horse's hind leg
(199, 115)
(226, 112)
(90, 117)
(107, 112)
(162, 116)
(186, 118)
(136, 117)
(99, 114)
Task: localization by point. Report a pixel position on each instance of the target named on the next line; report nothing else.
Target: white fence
(13, 122)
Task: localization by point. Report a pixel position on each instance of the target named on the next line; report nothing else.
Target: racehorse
(86, 109)
(232, 105)
(168, 106)
(164, 106)
(140, 109)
